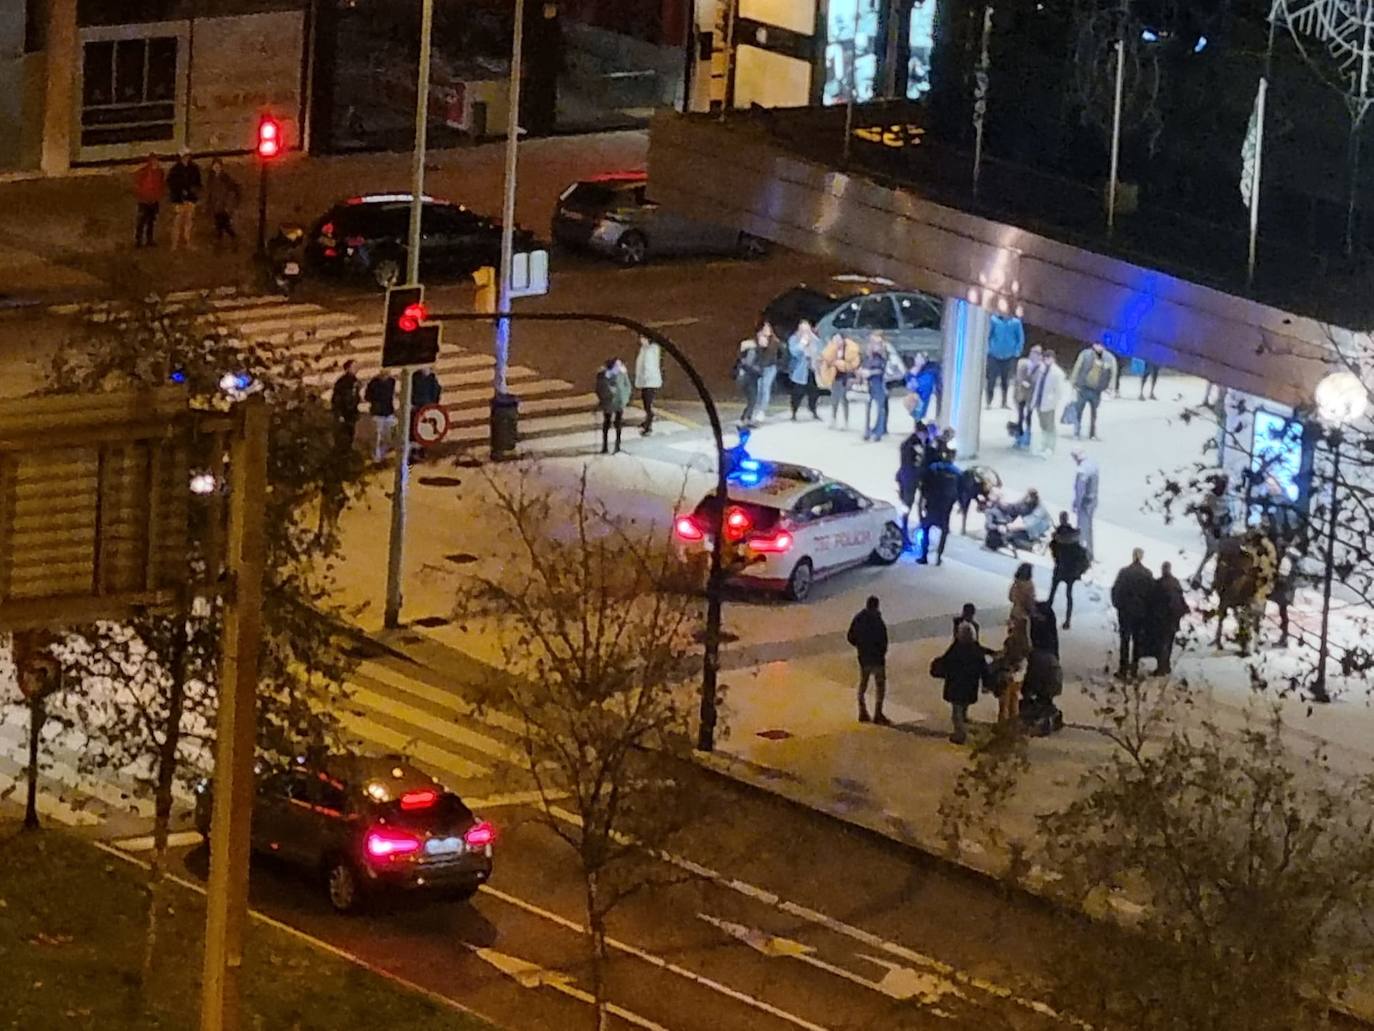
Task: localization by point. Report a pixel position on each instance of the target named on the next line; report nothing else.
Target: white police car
(787, 526)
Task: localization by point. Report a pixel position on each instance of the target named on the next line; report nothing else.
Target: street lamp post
(504, 406)
(715, 580)
(1341, 399)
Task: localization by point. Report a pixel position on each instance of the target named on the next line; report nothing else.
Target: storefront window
(920, 44)
(128, 90)
(852, 45)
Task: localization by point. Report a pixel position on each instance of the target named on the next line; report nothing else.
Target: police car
(787, 526)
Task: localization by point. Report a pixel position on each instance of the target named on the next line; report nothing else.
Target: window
(331, 794)
(815, 504)
(920, 44)
(128, 91)
(876, 312)
(842, 500)
(846, 316)
(918, 312)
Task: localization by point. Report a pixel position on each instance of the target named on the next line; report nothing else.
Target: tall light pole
(396, 543)
(1341, 399)
(504, 406)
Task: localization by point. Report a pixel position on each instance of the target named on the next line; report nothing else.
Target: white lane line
(837, 926)
(145, 843)
(440, 1000)
(514, 798)
(532, 975)
(657, 961)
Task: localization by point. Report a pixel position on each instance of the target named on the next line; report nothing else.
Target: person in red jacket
(150, 186)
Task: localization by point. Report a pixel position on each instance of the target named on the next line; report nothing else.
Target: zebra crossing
(556, 417)
(391, 706)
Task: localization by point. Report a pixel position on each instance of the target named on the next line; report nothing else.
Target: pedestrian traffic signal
(406, 338)
(269, 137)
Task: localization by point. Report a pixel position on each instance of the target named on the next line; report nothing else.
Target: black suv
(369, 236)
(365, 824)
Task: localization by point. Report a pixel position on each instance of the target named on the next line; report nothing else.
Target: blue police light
(750, 464)
(178, 376)
(748, 479)
(1200, 45)
(1149, 36)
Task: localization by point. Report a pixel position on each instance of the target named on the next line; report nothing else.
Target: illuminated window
(920, 43)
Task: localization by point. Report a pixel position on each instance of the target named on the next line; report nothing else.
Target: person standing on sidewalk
(868, 636)
(1285, 587)
(1045, 396)
(1006, 341)
(150, 186)
(1085, 484)
(1167, 609)
(964, 669)
(1131, 594)
(803, 356)
(648, 379)
(939, 492)
(1021, 594)
(909, 477)
(875, 379)
(183, 190)
(923, 385)
(746, 375)
(222, 198)
(768, 354)
(1093, 373)
(343, 403)
(380, 396)
(1026, 370)
(840, 360)
(1070, 563)
(613, 391)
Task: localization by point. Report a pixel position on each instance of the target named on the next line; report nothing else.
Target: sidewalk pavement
(73, 236)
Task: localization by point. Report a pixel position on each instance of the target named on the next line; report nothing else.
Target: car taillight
(419, 799)
(688, 529)
(737, 523)
(355, 241)
(479, 835)
(776, 544)
(327, 229)
(331, 252)
(384, 843)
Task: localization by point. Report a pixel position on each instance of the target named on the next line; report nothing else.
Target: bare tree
(143, 692)
(597, 641)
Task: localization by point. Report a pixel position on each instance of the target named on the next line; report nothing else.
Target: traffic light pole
(715, 581)
(396, 544)
(262, 207)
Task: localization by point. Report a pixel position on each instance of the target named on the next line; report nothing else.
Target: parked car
(907, 319)
(370, 236)
(788, 526)
(365, 824)
(613, 216)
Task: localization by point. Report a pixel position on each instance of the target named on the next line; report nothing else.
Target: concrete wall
(735, 174)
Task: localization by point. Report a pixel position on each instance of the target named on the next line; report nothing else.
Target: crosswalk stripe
(447, 700)
(324, 317)
(452, 731)
(422, 752)
(49, 801)
(177, 839)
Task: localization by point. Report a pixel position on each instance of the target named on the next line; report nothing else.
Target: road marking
(689, 320)
(531, 975)
(145, 843)
(657, 961)
(838, 926)
(899, 982)
(514, 798)
(451, 730)
(437, 998)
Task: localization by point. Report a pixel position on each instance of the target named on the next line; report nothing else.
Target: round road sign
(431, 424)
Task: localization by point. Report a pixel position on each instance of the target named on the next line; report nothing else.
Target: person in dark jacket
(1043, 635)
(425, 389)
(1131, 594)
(939, 493)
(868, 635)
(1070, 563)
(183, 190)
(380, 396)
(613, 392)
(222, 198)
(909, 477)
(343, 403)
(964, 668)
(1168, 606)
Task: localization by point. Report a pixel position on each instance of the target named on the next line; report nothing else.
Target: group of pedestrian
(928, 484)
(348, 395)
(615, 389)
(838, 366)
(182, 186)
(1149, 611)
(1025, 675)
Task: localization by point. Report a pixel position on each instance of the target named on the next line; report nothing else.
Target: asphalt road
(811, 925)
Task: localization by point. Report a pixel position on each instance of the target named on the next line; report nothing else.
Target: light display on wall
(920, 43)
(851, 51)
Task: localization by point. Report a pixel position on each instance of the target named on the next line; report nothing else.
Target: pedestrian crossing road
(556, 417)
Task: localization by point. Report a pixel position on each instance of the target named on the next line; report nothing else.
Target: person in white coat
(1047, 390)
(648, 380)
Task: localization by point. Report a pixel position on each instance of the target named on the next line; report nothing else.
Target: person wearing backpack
(1070, 563)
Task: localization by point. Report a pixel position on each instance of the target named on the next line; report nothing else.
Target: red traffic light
(269, 137)
(412, 317)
